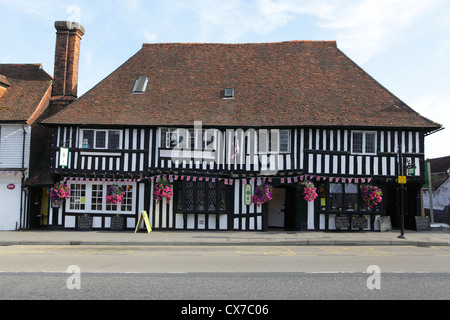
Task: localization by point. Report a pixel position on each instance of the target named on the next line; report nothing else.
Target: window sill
(363, 154)
(100, 153)
(359, 212)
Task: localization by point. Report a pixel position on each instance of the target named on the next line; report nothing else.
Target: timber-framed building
(217, 120)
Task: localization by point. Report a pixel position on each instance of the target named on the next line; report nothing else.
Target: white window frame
(265, 147)
(288, 143)
(88, 198)
(364, 134)
(197, 140)
(106, 138)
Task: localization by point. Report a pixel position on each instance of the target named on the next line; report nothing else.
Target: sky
(403, 44)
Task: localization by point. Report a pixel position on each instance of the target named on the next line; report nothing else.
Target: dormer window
(228, 93)
(140, 85)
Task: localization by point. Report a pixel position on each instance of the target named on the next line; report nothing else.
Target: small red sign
(11, 186)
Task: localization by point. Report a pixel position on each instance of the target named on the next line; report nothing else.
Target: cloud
(434, 108)
(443, 49)
(150, 36)
(229, 21)
(362, 28)
(371, 27)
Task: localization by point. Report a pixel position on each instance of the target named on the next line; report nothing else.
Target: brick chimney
(67, 56)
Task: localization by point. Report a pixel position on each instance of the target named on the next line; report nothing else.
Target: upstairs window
(187, 138)
(101, 139)
(285, 141)
(274, 141)
(364, 142)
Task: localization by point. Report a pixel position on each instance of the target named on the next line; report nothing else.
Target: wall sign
(248, 194)
(63, 157)
(11, 186)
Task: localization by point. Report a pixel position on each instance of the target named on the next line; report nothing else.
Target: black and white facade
(211, 171)
(217, 120)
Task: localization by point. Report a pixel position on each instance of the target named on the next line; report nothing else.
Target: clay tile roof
(439, 165)
(29, 85)
(296, 83)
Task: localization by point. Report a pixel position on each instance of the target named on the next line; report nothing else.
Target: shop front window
(91, 197)
(97, 197)
(323, 196)
(345, 197)
(77, 200)
(336, 194)
(351, 197)
(127, 204)
(201, 196)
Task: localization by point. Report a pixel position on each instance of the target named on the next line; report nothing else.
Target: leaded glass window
(202, 196)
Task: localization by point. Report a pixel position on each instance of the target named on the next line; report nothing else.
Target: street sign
(402, 179)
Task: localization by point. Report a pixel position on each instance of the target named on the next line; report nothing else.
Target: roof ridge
(333, 42)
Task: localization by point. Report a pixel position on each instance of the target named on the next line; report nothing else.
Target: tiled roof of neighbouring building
(27, 94)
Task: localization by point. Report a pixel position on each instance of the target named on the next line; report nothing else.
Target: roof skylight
(140, 85)
(228, 93)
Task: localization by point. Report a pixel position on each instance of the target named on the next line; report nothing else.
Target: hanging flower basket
(309, 192)
(115, 195)
(262, 194)
(58, 194)
(371, 195)
(163, 190)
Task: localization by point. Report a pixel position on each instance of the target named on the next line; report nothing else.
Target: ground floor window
(202, 197)
(91, 197)
(77, 199)
(343, 197)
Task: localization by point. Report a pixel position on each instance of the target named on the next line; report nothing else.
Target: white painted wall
(441, 197)
(10, 202)
(11, 148)
(11, 142)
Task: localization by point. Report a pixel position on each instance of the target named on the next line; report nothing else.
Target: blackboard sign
(359, 222)
(385, 224)
(423, 224)
(85, 223)
(342, 222)
(117, 223)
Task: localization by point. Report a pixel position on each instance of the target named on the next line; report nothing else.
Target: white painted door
(276, 208)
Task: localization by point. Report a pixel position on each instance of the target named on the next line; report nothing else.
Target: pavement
(225, 238)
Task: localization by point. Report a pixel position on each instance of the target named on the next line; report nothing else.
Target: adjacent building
(25, 91)
(440, 185)
(214, 122)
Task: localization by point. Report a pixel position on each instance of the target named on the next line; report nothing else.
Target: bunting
(227, 181)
